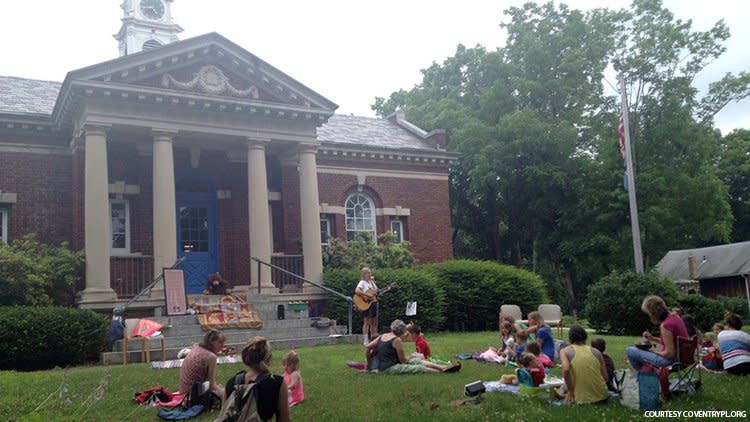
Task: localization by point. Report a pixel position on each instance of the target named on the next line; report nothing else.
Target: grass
(335, 392)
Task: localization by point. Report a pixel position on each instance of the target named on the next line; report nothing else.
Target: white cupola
(146, 24)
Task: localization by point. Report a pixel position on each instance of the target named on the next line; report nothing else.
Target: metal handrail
(304, 280)
(120, 310)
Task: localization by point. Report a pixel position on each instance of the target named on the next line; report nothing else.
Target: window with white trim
(325, 231)
(360, 217)
(4, 225)
(119, 211)
(397, 228)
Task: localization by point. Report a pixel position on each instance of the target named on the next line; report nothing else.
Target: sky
(349, 51)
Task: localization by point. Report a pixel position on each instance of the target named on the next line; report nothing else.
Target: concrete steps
(297, 330)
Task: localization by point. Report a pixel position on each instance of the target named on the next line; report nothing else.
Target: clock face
(152, 9)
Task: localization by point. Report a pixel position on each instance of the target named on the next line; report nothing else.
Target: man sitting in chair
(216, 285)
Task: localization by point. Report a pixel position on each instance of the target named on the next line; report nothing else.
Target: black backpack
(242, 400)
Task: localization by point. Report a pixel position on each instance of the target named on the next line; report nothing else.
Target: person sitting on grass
(601, 345)
(533, 366)
(543, 332)
(584, 370)
(534, 349)
(507, 341)
(735, 346)
(423, 347)
(522, 339)
(390, 357)
(200, 365)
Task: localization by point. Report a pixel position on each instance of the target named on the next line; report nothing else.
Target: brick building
(200, 148)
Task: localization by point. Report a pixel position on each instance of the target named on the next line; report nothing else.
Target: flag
(621, 134)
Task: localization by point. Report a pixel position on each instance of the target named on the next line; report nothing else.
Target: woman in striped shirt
(734, 345)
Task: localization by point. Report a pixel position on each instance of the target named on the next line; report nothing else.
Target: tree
(733, 169)
(540, 179)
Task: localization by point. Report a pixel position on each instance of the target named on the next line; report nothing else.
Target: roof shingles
(27, 96)
(30, 96)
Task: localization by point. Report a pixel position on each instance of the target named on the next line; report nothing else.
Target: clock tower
(146, 24)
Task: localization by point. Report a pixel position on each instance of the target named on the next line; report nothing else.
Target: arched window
(150, 45)
(360, 216)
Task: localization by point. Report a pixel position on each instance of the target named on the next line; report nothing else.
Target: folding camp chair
(685, 367)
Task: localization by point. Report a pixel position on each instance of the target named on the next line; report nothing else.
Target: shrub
(33, 338)
(614, 302)
(475, 290)
(736, 305)
(386, 253)
(413, 285)
(705, 311)
(32, 273)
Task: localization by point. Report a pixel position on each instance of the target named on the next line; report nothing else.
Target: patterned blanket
(230, 311)
(229, 315)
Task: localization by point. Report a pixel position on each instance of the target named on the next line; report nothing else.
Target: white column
(310, 209)
(259, 225)
(97, 238)
(165, 213)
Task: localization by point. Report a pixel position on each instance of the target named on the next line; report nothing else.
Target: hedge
(33, 338)
(413, 285)
(475, 290)
(705, 311)
(614, 302)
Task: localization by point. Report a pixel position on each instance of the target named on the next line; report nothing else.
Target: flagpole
(635, 227)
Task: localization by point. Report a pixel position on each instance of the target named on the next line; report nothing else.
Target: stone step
(185, 335)
(134, 356)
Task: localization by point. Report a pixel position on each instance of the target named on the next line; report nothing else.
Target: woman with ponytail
(272, 390)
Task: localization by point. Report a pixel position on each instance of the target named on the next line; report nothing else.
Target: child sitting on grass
(521, 338)
(423, 347)
(535, 350)
(600, 344)
(507, 341)
(533, 366)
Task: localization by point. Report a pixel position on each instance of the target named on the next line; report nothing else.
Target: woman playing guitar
(365, 289)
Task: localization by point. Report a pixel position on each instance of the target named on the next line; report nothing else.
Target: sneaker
(455, 368)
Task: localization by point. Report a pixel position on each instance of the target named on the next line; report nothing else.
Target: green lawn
(336, 393)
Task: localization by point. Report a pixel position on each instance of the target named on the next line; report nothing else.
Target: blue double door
(197, 238)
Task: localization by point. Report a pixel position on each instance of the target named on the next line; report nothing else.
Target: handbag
(640, 390)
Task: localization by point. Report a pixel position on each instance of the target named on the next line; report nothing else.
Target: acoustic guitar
(363, 304)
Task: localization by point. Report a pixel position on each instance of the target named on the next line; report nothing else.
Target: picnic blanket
(230, 315)
(177, 363)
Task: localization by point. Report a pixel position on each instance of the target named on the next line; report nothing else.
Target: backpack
(200, 393)
(242, 403)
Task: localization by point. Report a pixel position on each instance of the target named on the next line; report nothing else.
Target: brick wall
(428, 228)
(43, 205)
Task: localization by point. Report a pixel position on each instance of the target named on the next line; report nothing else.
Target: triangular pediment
(207, 66)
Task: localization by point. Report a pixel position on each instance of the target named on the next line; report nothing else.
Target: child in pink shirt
(293, 378)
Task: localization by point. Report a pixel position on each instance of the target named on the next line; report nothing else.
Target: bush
(736, 305)
(474, 291)
(705, 311)
(32, 273)
(614, 302)
(365, 253)
(33, 338)
(413, 285)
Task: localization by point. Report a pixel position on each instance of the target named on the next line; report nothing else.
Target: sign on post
(174, 291)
